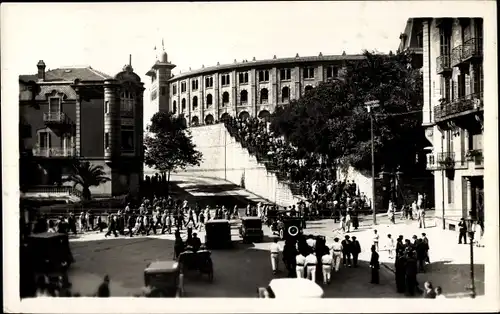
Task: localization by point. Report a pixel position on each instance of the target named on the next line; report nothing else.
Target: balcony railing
(460, 105)
(446, 160)
(55, 117)
(456, 56)
(472, 48)
(443, 64)
(54, 152)
(54, 189)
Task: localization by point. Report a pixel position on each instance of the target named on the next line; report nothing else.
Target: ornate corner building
(71, 114)
(451, 51)
(243, 89)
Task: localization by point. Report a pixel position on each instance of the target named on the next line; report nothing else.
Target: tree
(86, 175)
(331, 120)
(168, 145)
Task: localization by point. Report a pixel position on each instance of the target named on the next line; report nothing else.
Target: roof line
(100, 74)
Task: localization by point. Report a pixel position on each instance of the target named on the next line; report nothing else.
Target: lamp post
(470, 231)
(369, 105)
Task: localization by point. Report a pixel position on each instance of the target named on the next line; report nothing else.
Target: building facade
(452, 55)
(242, 89)
(71, 114)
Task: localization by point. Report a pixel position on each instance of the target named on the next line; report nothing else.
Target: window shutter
(455, 94)
(467, 85)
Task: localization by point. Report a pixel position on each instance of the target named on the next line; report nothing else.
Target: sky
(194, 34)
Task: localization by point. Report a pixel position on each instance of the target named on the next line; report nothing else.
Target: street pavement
(241, 270)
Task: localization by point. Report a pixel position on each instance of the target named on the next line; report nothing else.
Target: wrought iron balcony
(472, 48)
(443, 64)
(446, 160)
(469, 103)
(56, 118)
(54, 152)
(456, 56)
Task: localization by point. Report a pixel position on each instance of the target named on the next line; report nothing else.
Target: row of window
(466, 33)
(263, 98)
(263, 76)
(465, 84)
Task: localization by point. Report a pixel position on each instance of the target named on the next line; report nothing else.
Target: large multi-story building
(70, 114)
(452, 55)
(243, 89)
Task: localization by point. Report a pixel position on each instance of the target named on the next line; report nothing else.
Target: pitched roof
(69, 74)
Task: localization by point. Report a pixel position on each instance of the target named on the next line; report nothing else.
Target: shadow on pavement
(237, 272)
(229, 201)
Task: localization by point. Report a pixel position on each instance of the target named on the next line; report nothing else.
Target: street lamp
(470, 231)
(369, 105)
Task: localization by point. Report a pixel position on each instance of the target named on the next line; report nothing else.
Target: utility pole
(369, 105)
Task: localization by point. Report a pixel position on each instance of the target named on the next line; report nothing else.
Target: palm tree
(87, 175)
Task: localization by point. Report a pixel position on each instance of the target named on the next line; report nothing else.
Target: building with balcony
(247, 88)
(81, 114)
(452, 50)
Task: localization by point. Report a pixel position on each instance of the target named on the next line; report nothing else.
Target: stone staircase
(225, 157)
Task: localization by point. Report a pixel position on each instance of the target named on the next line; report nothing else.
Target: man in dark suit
(356, 249)
(462, 231)
(375, 266)
(346, 251)
(400, 267)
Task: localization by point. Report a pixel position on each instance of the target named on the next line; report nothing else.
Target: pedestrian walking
(336, 253)
(356, 249)
(275, 251)
(311, 262)
(390, 246)
(375, 266)
(462, 235)
(421, 218)
(326, 262)
(112, 227)
(300, 263)
(375, 239)
(346, 251)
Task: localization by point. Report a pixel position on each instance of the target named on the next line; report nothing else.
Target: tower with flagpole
(160, 73)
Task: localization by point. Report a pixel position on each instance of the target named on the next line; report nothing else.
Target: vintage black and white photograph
(288, 150)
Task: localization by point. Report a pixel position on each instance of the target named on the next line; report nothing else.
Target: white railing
(54, 152)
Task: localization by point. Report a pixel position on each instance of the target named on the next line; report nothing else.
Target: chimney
(41, 70)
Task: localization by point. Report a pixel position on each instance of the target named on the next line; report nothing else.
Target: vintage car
(251, 229)
(291, 288)
(200, 261)
(288, 226)
(163, 279)
(218, 234)
(49, 252)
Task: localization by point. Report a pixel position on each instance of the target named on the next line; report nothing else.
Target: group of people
(312, 258)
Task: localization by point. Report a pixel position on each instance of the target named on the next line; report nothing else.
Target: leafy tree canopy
(168, 144)
(332, 120)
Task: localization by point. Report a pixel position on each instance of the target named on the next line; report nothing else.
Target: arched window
(183, 104)
(243, 96)
(195, 103)
(174, 107)
(285, 94)
(225, 98)
(308, 88)
(264, 96)
(209, 119)
(195, 121)
(209, 100)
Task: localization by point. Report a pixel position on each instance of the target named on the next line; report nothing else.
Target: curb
(388, 268)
